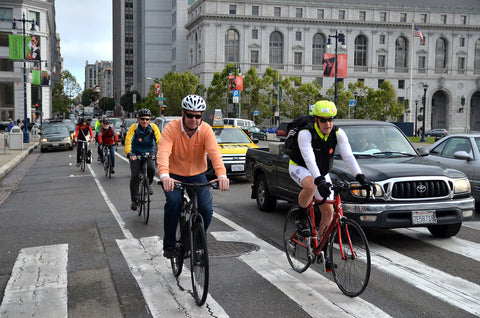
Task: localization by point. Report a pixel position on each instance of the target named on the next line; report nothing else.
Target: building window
(298, 36)
(341, 14)
(6, 14)
(461, 65)
(381, 63)
(255, 10)
(381, 39)
(233, 9)
(476, 63)
(463, 19)
(319, 13)
(277, 11)
(254, 58)
(401, 54)
(383, 16)
(255, 34)
(443, 19)
(403, 17)
(32, 15)
(276, 50)
(298, 61)
(318, 49)
(440, 55)
(461, 42)
(422, 64)
(401, 84)
(362, 15)
(232, 46)
(6, 65)
(380, 82)
(423, 18)
(360, 54)
(298, 12)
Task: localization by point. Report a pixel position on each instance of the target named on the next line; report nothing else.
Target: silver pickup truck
(411, 192)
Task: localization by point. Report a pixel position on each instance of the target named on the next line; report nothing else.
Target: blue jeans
(112, 154)
(174, 204)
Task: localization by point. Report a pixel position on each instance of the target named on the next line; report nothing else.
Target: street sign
(255, 113)
(353, 102)
(236, 93)
(236, 99)
(160, 98)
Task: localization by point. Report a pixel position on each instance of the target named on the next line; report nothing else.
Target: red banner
(236, 82)
(158, 89)
(329, 65)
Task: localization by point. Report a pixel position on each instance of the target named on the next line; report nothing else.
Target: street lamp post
(26, 136)
(425, 87)
(338, 37)
(233, 83)
(416, 117)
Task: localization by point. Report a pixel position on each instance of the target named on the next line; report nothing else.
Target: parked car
(436, 133)
(127, 122)
(55, 136)
(461, 152)
(254, 133)
(282, 131)
(410, 191)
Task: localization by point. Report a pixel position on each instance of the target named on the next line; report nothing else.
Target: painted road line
(472, 224)
(164, 294)
(317, 295)
(38, 284)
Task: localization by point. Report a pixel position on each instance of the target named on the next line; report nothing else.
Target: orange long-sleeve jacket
(184, 156)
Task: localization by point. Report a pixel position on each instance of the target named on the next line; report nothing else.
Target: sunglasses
(144, 119)
(192, 116)
(324, 120)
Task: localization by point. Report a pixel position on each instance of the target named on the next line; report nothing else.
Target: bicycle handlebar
(183, 185)
(371, 190)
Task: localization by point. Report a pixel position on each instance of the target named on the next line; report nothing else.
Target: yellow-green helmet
(324, 108)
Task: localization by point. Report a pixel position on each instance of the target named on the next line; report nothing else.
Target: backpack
(299, 123)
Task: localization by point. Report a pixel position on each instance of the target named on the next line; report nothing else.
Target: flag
(418, 34)
(15, 46)
(36, 77)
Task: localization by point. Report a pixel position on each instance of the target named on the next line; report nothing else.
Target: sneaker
(112, 170)
(133, 206)
(169, 252)
(302, 226)
(77, 164)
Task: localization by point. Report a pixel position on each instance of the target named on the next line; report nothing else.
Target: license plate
(237, 168)
(55, 145)
(424, 217)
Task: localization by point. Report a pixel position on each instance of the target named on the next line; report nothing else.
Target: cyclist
(141, 139)
(98, 125)
(182, 157)
(310, 166)
(83, 129)
(108, 137)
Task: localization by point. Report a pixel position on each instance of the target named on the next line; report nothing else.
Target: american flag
(418, 34)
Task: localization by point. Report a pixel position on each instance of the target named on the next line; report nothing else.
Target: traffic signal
(162, 110)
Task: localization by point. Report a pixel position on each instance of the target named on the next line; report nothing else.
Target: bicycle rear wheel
(295, 244)
(350, 263)
(145, 200)
(107, 166)
(177, 261)
(199, 263)
(83, 159)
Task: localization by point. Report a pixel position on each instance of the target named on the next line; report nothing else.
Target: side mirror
(423, 151)
(463, 155)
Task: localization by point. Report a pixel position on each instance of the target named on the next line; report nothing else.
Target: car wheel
(265, 201)
(445, 230)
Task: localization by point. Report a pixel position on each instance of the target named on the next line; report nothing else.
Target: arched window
(232, 47)
(276, 50)
(440, 55)
(318, 49)
(360, 54)
(401, 54)
(476, 64)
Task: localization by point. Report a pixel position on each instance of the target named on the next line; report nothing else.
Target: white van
(238, 122)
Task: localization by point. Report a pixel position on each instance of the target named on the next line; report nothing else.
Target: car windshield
(117, 124)
(377, 141)
(129, 122)
(231, 135)
(56, 130)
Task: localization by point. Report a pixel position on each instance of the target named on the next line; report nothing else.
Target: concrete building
(12, 91)
(93, 73)
(106, 82)
(292, 35)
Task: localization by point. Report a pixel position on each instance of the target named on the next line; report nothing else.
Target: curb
(15, 161)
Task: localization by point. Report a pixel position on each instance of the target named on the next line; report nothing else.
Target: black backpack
(299, 123)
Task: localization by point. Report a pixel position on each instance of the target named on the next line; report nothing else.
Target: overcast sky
(85, 29)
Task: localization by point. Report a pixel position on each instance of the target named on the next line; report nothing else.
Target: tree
(107, 103)
(71, 88)
(89, 96)
(63, 93)
(127, 100)
(252, 98)
(175, 87)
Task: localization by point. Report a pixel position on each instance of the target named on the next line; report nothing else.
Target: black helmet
(144, 112)
(106, 120)
(81, 120)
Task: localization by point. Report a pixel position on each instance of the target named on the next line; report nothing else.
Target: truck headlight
(362, 193)
(461, 186)
(43, 140)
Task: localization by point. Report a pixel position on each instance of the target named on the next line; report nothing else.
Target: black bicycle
(191, 240)
(143, 194)
(107, 161)
(83, 154)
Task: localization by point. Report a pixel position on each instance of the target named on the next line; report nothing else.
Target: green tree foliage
(175, 87)
(107, 103)
(383, 104)
(127, 100)
(64, 92)
(252, 98)
(71, 88)
(89, 96)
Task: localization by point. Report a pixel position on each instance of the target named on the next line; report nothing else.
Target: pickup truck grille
(420, 189)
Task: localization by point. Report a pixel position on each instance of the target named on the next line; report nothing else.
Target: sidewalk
(9, 159)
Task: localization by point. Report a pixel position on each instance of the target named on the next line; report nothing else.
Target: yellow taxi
(233, 143)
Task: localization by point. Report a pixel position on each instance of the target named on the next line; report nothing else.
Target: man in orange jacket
(182, 157)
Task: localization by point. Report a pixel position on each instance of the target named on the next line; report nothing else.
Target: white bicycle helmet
(194, 103)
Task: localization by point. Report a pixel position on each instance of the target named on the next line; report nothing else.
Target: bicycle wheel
(140, 196)
(177, 261)
(107, 166)
(350, 265)
(145, 201)
(295, 245)
(83, 159)
(199, 263)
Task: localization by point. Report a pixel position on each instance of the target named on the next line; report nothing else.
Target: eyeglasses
(192, 116)
(324, 120)
(144, 119)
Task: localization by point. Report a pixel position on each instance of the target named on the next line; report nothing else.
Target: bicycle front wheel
(295, 244)
(83, 159)
(107, 165)
(199, 264)
(177, 261)
(145, 201)
(350, 258)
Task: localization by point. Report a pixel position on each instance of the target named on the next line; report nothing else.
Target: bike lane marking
(472, 224)
(38, 284)
(315, 294)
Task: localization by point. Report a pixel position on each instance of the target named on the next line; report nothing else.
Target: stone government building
(292, 35)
